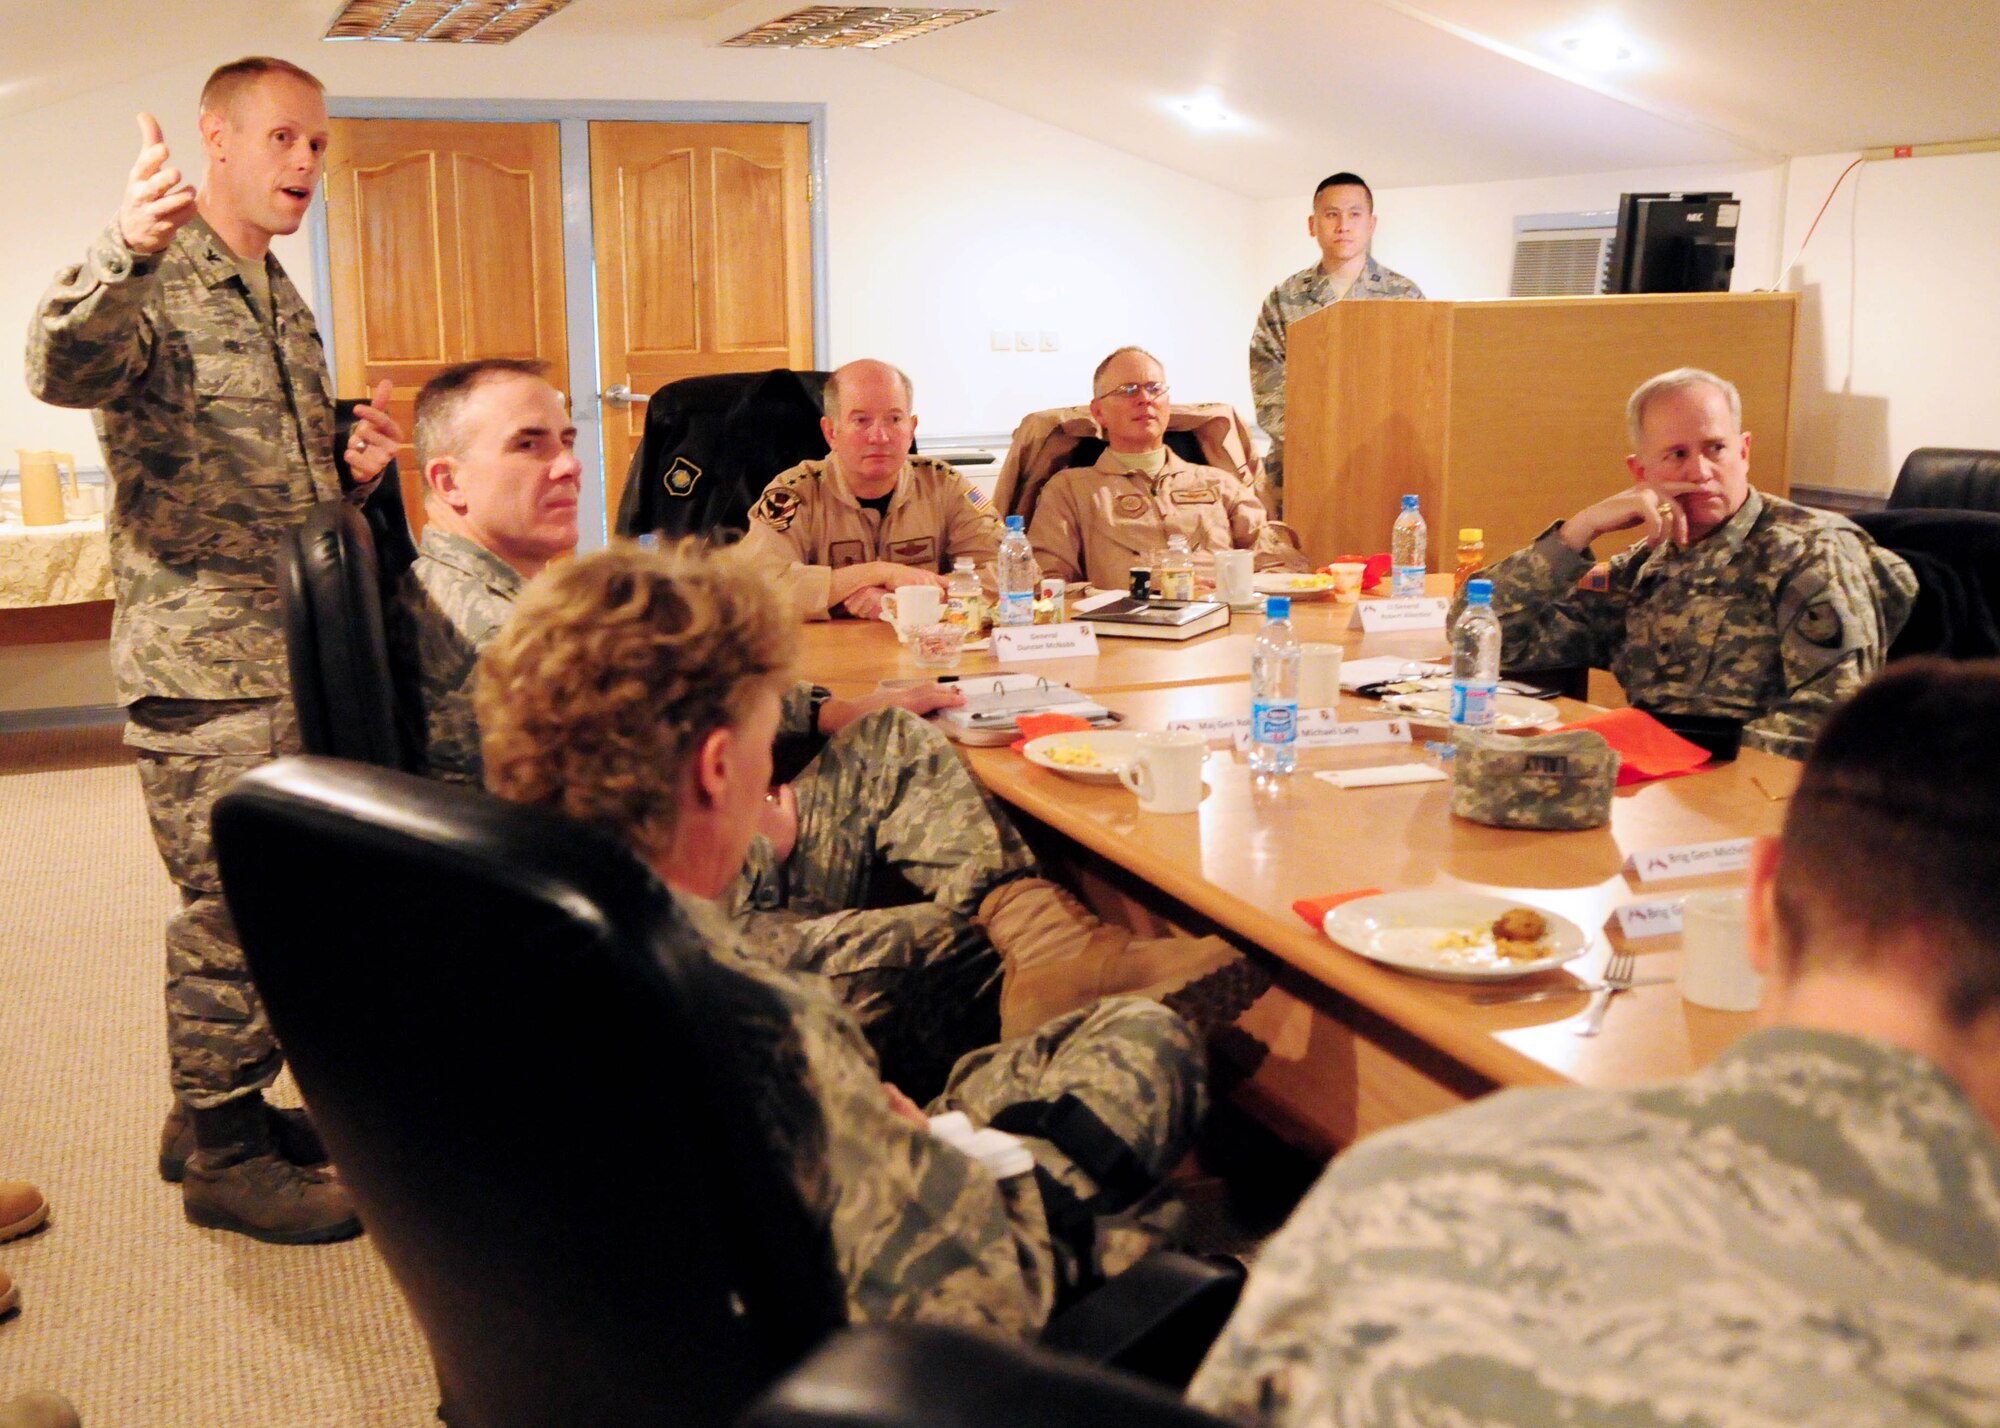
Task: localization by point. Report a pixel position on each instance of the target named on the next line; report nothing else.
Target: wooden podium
(1505, 415)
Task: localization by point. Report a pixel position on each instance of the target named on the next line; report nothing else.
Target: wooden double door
(447, 243)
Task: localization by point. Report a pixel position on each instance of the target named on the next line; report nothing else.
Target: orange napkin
(1315, 909)
(1646, 748)
(1033, 726)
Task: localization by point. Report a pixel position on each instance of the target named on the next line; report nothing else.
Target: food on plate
(1316, 581)
(1074, 756)
(1520, 924)
(1520, 934)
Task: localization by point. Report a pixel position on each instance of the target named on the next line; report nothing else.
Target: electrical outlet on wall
(1002, 340)
(1051, 342)
(1024, 342)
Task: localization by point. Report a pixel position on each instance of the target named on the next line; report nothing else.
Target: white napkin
(1391, 773)
(1003, 1155)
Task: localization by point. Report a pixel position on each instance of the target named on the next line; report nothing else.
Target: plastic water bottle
(1274, 691)
(1406, 551)
(1177, 570)
(965, 601)
(1018, 574)
(1475, 659)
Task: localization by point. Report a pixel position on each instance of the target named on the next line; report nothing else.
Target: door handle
(622, 396)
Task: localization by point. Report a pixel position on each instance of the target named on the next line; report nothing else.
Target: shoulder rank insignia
(681, 476)
(778, 508)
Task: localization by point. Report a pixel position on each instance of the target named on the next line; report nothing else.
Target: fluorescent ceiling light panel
(866, 27)
(452, 22)
(1205, 111)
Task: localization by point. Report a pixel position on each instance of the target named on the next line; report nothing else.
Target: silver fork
(1617, 978)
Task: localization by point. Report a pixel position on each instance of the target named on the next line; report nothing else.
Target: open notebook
(994, 704)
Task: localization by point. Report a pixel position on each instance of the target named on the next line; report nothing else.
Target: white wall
(1901, 320)
(947, 217)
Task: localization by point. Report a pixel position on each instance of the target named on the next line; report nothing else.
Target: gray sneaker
(267, 1198)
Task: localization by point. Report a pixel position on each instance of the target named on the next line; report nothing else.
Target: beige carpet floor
(141, 1319)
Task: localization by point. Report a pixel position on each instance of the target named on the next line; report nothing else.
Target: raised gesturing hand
(157, 202)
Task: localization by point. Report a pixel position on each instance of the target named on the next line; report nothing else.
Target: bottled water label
(1407, 581)
(1472, 705)
(1017, 607)
(1273, 722)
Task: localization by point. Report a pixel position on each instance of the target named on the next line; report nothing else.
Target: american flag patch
(977, 498)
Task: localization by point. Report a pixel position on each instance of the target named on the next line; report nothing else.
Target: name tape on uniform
(1025, 642)
(1318, 729)
(1692, 860)
(1659, 918)
(1413, 613)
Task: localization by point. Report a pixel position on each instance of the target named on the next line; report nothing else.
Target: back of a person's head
(597, 694)
(1890, 839)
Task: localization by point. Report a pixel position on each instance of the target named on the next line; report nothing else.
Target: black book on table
(1157, 619)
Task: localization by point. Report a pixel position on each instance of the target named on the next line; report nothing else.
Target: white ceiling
(1409, 91)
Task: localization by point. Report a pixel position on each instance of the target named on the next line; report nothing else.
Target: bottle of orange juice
(1471, 556)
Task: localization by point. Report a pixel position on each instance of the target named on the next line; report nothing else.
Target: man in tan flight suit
(847, 530)
(1097, 523)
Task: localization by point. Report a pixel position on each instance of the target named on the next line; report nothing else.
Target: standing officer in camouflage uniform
(1107, 1098)
(1805, 1233)
(1096, 523)
(214, 409)
(847, 530)
(886, 793)
(1343, 224)
(1735, 603)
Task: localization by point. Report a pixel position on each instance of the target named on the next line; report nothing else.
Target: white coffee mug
(1233, 572)
(1715, 952)
(911, 607)
(1166, 771)
(1319, 676)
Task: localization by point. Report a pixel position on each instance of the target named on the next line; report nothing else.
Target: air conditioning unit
(1562, 254)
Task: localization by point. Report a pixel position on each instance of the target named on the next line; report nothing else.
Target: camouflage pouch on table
(1541, 781)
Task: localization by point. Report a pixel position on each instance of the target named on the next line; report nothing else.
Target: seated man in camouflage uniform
(1342, 222)
(1734, 603)
(1095, 524)
(987, 947)
(920, 1229)
(1807, 1232)
(843, 532)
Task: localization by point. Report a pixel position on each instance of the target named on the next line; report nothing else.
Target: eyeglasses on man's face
(1129, 390)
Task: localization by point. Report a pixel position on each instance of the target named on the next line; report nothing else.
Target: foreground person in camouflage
(1107, 1097)
(1803, 1235)
(1342, 222)
(212, 403)
(989, 949)
(1734, 603)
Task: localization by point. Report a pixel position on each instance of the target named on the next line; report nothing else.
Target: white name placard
(1413, 613)
(1659, 918)
(1016, 643)
(1221, 726)
(1318, 729)
(1692, 860)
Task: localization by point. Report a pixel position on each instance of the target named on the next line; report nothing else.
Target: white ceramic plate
(1109, 750)
(1405, 930)
(1511, 711)
(1284, 582)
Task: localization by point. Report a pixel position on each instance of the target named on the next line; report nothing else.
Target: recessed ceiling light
(1599, 49)
(1205, 111)
(465, 22)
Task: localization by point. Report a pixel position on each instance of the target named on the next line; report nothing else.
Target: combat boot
(39, 1409)
(22, 1209)
(237, 1180)
(1060, 957)
(296, 1136)
(10, 1294)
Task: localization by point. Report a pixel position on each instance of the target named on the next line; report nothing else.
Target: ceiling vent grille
(1561, 254)
(448, 22)
(867, 27)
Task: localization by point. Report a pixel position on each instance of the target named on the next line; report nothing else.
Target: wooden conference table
(1354, 1046)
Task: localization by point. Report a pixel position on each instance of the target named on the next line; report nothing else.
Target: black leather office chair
(1947, 478)
(527, 1074)
(1956, 557)
(712, 445)
(930, 1376)
(351, 703)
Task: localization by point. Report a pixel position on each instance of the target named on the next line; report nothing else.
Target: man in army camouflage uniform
(1734, 603)
(1342, 222)
(885, 794)
(1094, 524)
(212, 403)
(1805, 1233)
(1106, 1098)
(845, 531)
